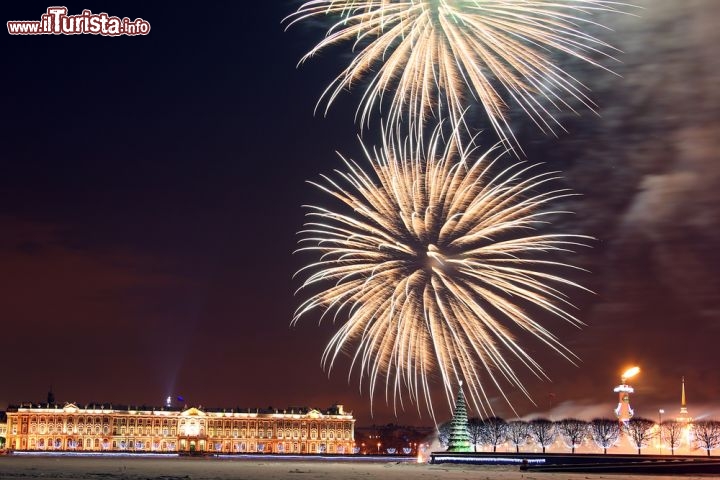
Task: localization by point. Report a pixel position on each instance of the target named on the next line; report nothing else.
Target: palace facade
(98, 428)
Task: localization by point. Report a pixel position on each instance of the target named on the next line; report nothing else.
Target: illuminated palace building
(104, 428)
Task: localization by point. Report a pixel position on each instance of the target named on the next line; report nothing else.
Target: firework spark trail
(431, 267)
(436, 58)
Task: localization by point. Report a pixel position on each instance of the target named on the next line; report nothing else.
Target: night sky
(151, 190)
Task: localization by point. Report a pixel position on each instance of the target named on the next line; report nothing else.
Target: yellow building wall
(74, 429)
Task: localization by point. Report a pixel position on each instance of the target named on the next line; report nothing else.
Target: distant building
(147, 429)
(3, 429)
(684, 416)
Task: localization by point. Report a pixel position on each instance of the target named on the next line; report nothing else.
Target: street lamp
(379, 448)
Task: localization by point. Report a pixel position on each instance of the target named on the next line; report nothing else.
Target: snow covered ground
(125, 468)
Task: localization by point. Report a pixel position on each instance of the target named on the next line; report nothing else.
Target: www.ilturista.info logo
(56, 21)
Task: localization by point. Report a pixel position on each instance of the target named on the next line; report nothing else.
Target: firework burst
(436, 58)
(432, 266)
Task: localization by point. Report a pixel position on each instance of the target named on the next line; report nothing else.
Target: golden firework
(429, 266)
(437, 58)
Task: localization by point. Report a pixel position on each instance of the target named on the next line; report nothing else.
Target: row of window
(169, 446)
(296, 434)
(62, 418)
(52, 428)
(154, 422)
(79, 429)
(59, 428)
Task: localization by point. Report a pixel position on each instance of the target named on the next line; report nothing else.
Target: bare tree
(494, 432)
(443, 434)
(605, 432)
(475, 430)
(518, 433)
(573, 431)
(543, 432)
(640, 431)
(707, 434)
(672, 431)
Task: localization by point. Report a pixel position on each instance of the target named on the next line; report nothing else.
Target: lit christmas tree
(459, 436)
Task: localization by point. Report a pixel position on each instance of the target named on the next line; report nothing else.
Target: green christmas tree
(459, 435)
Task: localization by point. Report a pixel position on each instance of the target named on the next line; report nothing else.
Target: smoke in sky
(648, 173)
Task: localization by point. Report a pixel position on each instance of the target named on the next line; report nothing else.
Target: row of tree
(605, 432)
